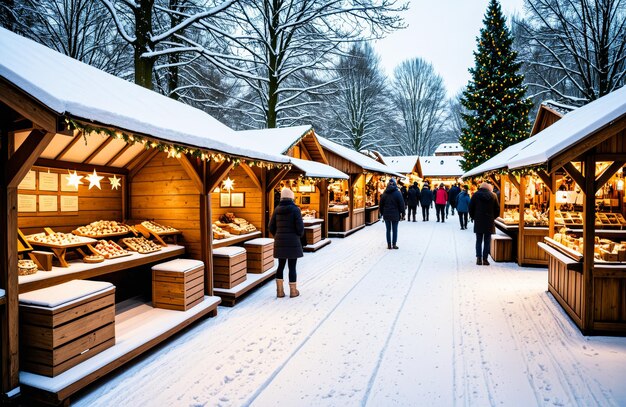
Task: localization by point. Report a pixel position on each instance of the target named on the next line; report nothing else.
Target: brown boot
(485, 261)
(479, 261)
(293, 291)
(280, 291)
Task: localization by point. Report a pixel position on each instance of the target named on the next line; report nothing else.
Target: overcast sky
(443, 32)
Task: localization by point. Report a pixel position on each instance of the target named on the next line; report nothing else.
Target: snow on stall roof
(403, 164)
(449, 148)
(571, 129)
(560, 108)
(500, 160)
(441, 166)
(360, 159)
(68, 86)
(314, 169)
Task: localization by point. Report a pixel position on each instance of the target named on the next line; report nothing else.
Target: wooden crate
(260, 254)
(313, 234)
(64, 325)
(229, 266)
(178, 284)
(501, 248)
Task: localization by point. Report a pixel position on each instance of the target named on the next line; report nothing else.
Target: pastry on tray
(102, 228)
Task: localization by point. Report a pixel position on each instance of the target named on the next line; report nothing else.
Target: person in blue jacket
(392, 209)
(462, 206)
(426, 200)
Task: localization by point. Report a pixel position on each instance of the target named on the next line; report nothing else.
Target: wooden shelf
(236, 239)
(78, 270)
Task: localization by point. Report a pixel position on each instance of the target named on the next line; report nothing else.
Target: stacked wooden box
(64, 325)
(260, 253)
(178, 284)
(501, 247)
(313, 234)
(229, 266)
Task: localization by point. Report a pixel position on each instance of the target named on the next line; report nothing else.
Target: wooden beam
(118, 155)
(589, 231)
(274, 180)
(503, 179)
(67, 148)
(44, 162)
(513, 179)
(141, 161)
(552, 204)
(218, 173)
(252, 176)
(266, 198)
(191, 171)
(23, 159)
(206, 231)
(324, 202)
(607, 174)
(27, 106)
(576, 175)
(591, 141)
(520, 236)
(547, 179)
(101, 147)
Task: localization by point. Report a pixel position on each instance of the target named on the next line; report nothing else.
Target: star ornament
(229, 184)
(94, 180)
(115, 182)
(73, 179)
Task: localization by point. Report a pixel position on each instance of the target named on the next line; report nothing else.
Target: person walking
(462, 206)
(392, 207)
(426, 200)
(287, 227)
(484, 209)
(441, 199)
(412, 200)
(405, 197)
(452, 194)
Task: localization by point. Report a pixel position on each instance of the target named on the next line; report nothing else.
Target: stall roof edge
(314, 169)
(356, 157)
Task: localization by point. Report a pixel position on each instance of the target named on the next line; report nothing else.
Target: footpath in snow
(418, 326)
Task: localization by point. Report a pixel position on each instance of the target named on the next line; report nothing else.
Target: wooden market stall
(441, 169)
(587, 262)
(102, 181)
(349, 198)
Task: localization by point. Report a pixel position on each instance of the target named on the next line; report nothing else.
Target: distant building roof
(449, 148)
(441, 166)
(404, 164)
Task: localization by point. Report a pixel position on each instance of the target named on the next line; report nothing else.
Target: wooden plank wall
(610, 296)
(162, 191)
(341, 163)
(315, 201)
(615, 144)
(566, 286)
(93, 204)
(252, 210)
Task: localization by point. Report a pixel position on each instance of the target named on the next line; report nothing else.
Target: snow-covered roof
(441, 166)
(404, 164)
(69, 87)
(314, 169)
(560, 108)
(274, 141)
(498, 161)
(361, 160)
(449, 148)
(573, 128)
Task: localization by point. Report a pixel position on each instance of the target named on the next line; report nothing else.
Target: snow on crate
(68, 86)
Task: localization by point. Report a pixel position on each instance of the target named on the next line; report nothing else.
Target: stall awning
(447, 166)
(71, 88)
(572, 129)
(359, 159)
(313, 169)
(499, 161)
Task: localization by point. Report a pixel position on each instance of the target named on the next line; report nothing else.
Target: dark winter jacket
(287, 227)
(452, 194)
(441, 196)
(391, 204)
(404, 193)
(413, 197)
(426, 197)
(484, 209)
(462, 202)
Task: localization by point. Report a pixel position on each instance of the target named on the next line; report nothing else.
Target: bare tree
(574, 50)
(420, 97)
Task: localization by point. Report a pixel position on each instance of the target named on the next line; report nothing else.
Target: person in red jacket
(441, 199)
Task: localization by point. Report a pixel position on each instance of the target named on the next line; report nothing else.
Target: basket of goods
(219, 233)
(109, 249)
(58, 239)
(140, 245)
(93, 258)
(26, 267)
(227, 217)
(158, 228)
(102, 228)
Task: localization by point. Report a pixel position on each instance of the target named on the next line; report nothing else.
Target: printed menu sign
(48, 203)
(26, 203)
(48, 181)
(69, 203)
(28, 182)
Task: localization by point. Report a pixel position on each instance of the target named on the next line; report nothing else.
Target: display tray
(83, 242)
(156, 249)
(575, 255)
(117, 256)
(99, 237)
(168, 233)
(22, 244)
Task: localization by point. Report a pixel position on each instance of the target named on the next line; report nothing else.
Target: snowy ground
(419, 326)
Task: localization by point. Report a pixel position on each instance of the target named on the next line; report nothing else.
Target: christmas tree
(495, 102)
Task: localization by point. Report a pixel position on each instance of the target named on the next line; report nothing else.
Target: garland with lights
(497, 109)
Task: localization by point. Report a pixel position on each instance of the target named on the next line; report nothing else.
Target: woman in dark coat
(287, 227)
(392, 208)
(426, 200)
(413, 196)
(484, 209)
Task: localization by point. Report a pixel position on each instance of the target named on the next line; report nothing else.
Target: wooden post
(206, 231)
(520, 233)
(552, 204)
(324, 202)
(503, 179)
(589, 232)
(266, 196)
(351, 181)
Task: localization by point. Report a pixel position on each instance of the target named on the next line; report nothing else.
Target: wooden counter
(236, 239)
(372, 214)
(78, 270)
(526, 251)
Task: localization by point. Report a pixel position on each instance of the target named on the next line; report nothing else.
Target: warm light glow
(94, 180)
(228, 184)
(115, 182)
(620, 185)
(73, 180)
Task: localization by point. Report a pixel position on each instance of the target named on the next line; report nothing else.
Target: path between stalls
(421, 325)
